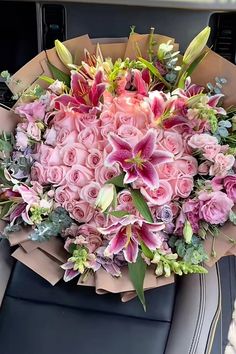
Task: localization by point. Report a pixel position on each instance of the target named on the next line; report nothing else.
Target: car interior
(36, 318)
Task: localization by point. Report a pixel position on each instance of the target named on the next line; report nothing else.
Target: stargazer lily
(140, 160)
(128, 233)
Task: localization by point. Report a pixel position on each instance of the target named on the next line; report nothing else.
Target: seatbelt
(6, 263)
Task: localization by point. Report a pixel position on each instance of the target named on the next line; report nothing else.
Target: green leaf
(146, 251)
(58, 74)
(119, 213)
(5, 209)
(141, 205)
(137, 272)
(154, 71)
(232, 217)
(47, 79)
(118, 181)
(190, 69)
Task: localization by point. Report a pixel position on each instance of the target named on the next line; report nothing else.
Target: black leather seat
(36, 318)
(45, 319)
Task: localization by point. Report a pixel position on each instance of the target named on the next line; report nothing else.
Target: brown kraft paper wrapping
(45, 258)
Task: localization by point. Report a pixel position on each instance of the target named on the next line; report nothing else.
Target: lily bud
(196, 46)
(63, 53)
(187, 231)
(105, 197)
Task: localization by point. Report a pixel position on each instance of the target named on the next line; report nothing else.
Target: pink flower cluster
(159, 141)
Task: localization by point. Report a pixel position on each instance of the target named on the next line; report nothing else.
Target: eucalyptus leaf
(141, 205)
(137, 272)
(232, 217)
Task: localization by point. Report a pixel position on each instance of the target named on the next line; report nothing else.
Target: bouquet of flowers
(126, 163)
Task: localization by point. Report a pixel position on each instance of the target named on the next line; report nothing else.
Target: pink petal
(158, 106)
(139, 83)
(118, 143)
(149, 175)
(110, 229)
(117, 243)
(146, 145)
(214, 100)
(169, 123)
(160, 156)
(17, 212)
(130, 176)
(150, 239)
(70, 274)
(79, 85)
(67, 265)
(158, 226)
(65, 100)
(120, 156)
(96, 92)
(131, 251)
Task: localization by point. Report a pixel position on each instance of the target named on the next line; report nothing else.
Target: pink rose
(222, 164)
(182, 186)
(103, 173)
(230, 187)
(124, 118)
(187, 165)
(65, 120)
(64, 194)
(129, 132)
(33, 131)
(78, 176)
(56, 174)
(124, 198)
(106, 130)
(38, 173)
(91, 235)
(89, 137)
(168, 170)
(100, 219)
(173, 142)
(94, 158)
(49, 156)
(85, 120)
(132, 105)
(210, 151)
(50, 136)
(72, 231)
(74, 154)
(159, 196)
(65, 136)
(106, 117)
(215, 207)
(82, 212)
(199, 141)
(90, 192)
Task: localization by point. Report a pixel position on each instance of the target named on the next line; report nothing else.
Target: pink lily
(83, 97)
(138, 161)
(128, 233)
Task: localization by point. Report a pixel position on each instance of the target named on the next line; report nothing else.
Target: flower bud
(105, 197)
(63, 53)
(187, 231)
(196, 46)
